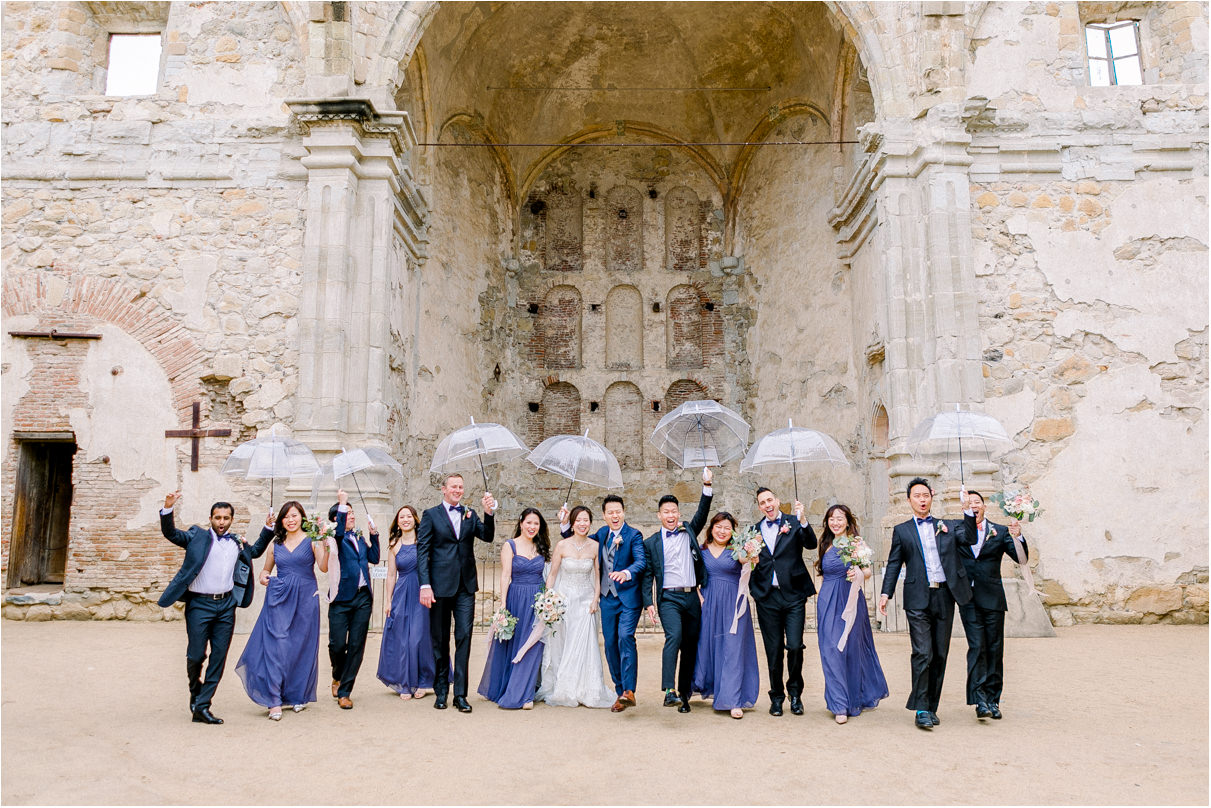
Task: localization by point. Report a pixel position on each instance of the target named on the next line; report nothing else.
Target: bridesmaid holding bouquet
(512, 684)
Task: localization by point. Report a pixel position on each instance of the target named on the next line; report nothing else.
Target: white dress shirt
(981, 532)
(361, 579)
(769, 532)
(678, 566)
(456, 517)
(929, 544)
(217, 574)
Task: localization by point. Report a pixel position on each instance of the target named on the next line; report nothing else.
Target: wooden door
(41, 513)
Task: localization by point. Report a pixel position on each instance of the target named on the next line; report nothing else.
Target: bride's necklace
(580, 546)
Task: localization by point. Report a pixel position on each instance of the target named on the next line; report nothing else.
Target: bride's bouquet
(746, 545)
(1018, 503)
(549, 607)
(502, 625)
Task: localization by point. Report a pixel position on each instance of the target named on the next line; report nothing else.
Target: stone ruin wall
(172, 225)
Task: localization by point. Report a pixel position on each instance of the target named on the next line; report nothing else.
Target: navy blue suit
(349, 612)
(620, 612)
(208, 621)
(782, 609)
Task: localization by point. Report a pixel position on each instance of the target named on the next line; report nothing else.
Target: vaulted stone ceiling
(544, 72)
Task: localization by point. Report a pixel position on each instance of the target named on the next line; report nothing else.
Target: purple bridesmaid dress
(280, 663)
(512, 685)
(405, 661)
(853, 678)
(727, 663)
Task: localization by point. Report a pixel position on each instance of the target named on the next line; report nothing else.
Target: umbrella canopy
(270, 458)
(787, 449)
(579, 458)
(945, 432)
(369, 464)
(701, 433)
(475, 446)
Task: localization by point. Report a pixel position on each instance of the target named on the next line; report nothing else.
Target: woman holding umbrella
(280, 663)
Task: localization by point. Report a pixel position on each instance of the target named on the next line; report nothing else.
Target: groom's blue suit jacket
(630, 556)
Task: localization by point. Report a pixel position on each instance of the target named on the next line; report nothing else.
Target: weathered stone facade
(366, 223)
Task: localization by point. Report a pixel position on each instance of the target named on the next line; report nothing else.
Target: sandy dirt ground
(97, 713)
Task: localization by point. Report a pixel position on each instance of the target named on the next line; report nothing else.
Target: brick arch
(560, 410)
(683, 328)
(85, 299)
(683, 390)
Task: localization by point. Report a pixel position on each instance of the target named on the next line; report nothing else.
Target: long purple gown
(512, 685)
(280, 663)
(853, 679)
(727, 663)
(405, 661)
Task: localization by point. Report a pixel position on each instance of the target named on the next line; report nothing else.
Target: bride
(571, 665)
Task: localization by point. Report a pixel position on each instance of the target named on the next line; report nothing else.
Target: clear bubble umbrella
(790, 448)
(701, 433)
(373, 464)
(270, 458)
(476, 446)
(580, 459)
(943, 434)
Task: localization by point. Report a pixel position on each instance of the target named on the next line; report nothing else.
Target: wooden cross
(196, 434)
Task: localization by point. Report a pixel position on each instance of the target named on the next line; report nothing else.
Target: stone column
(932, 338)
(360, 198)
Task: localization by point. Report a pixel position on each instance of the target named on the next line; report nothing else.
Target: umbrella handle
(353, 474)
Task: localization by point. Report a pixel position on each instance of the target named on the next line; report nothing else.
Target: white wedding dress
(572, 673)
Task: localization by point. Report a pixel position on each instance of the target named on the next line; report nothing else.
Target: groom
(445, 565)
(621, 556)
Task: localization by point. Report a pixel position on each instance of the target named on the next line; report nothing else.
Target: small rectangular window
(134, 64)
(1114, 53)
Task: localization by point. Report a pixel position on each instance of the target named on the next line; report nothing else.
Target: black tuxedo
(446, 563)
(782, 609)
(208, 620)
(984, 616)
(680, 610)
(349, 612)
(930, 609)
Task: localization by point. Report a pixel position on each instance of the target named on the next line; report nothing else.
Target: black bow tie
(456, 508)
(229, 536)
(925, 521)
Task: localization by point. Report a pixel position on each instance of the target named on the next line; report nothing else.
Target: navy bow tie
(924, 521)
(458, 508)
(230, 536)
(773, 522)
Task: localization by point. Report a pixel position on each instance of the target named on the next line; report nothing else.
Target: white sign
(379, 573)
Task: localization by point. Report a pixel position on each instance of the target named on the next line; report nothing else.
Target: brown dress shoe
(628, 698)
(335, 686)
(345, 703)
(619, 706)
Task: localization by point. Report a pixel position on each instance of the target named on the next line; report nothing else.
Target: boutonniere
(992, 532)
(468, 513)
(942, 527)
(785, 528)
(617, 542)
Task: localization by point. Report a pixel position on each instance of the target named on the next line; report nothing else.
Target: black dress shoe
(934, 718)
(461, 704)
(685, 706)
(202, 715)
(995, 710)
(439, 701)
(796, 705)
(982, 711)
(775, 707)
(670, 699)
(923, 720)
